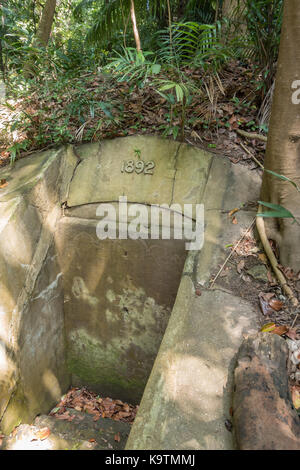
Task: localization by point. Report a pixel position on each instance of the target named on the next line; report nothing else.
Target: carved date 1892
(138, 166)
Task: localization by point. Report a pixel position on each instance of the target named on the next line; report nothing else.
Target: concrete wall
(32, 345)
(70, 303)
(119, 293)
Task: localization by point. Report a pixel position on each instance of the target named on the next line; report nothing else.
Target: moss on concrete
(103, 368)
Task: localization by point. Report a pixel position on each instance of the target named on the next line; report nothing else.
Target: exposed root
(251, 135)
(260, 224)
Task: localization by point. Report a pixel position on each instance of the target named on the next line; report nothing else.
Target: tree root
(260, 224)
(251, 135)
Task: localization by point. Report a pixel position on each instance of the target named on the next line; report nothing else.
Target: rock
(258, 272)
(264, 418)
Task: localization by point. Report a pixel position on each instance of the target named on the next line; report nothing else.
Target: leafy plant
(133, 65)
(194, 44)
(264, 20)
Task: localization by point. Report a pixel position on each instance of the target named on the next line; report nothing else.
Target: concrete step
(82, 433)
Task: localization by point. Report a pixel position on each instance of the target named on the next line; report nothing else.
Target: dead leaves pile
(89, 402)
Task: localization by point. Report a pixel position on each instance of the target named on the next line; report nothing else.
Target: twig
(294, 321)
(252, 156)
(251, 135)
(260, 224)
(231, 253)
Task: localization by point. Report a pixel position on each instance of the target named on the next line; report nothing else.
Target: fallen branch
(251, 135)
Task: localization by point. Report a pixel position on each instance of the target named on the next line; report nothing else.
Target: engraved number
(139, 167)
(149, 167)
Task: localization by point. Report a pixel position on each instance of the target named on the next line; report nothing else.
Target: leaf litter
(81, 399)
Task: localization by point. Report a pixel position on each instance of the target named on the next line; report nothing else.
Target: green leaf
(278, 211)
(268, 327)
(167, 87)
(155, 68)
(284, 178)
(175, 131)
(179, 93)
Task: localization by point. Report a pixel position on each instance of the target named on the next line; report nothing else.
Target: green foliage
(195, 44)
(284, 178)
(277, 210)
(91, 38)
(264, 20)
(133, 65)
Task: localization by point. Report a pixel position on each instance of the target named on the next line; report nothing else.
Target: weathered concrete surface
(118, 295)
(32, 358)
(179, 174)
(116, 307)
(262, 407)
(188, 395)
(82, 433)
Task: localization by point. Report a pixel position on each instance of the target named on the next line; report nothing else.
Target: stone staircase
(81, 432)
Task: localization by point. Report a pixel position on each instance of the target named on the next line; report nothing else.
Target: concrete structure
(75, 309)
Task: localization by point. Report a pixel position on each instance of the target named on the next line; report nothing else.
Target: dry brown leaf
(271, 278)
(233, 211)
(263, 258)
(265, 307)
(234, 220)
(240, 266)
(292, 334)
(117, 437)
(280, 330)
(43, 433)
(276, 304)
(267, 296)
(82, 399)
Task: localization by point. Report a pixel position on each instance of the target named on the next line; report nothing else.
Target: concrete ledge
(189, 393)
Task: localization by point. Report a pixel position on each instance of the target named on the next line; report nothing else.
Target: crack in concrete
(176, 169)
(13, 392)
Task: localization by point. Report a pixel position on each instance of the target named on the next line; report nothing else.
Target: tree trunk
(45, 25)
(283, 148)
(134, 26)
(42, 35)
(234, 10)
(229, 7)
